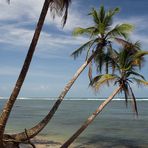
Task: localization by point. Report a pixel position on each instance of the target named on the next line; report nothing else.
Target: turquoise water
(116, 126)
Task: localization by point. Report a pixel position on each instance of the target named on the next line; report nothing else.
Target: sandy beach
(42, 142)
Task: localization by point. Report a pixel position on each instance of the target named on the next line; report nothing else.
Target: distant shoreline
(73, 99)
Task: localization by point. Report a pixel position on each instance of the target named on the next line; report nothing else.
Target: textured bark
(36, 129)
(8, 106)
(90, 119)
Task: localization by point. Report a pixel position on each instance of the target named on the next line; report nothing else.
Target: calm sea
(115, 127)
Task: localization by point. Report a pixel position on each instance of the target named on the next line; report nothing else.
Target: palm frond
(139, 58)
(108, 18)
(122, 30)
(102, 79)
(113, 56)
(87, 31)
(129, 46)
(60, 7)
(113, 12)
(122, 59)
(134, 73)
(94, 14)
(90, 71)
(134, 53)
(140, 54)
(126, 97)
(110, 58)
(99, 59)
(126, 93)
(137, 45)
(84, 47)
(134, 101)
(122, 41)
(101, 13)
(139, 81)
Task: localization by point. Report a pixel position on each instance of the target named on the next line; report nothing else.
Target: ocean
(115, 127)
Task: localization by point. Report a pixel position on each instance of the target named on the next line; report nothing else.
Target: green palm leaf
(134, 73)
(113, 12)
(84, 47)
(102, 79)
(108, 19)
(86, 31)
(94, 14)
(140, 54)
(140, 82)
(101, 14)
(139, 58)
(120, 30)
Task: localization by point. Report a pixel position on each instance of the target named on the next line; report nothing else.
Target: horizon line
(76, 98)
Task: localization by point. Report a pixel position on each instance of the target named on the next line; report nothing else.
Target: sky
(52, 66)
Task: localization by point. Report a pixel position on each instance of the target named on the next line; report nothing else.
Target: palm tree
(126, 65)
(101, 34)
(56, 6)
(101, 37)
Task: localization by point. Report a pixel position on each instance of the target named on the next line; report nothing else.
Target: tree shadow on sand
(44, 143)
(99, 141)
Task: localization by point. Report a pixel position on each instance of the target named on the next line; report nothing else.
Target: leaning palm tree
(59, 7)
(126, 64)
(101, 34)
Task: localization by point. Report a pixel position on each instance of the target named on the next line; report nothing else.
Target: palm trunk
(8, 106)
(36, 129)
(90, 119)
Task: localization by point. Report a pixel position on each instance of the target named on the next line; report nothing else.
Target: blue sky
(52, 65)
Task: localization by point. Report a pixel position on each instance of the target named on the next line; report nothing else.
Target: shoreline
(42, 142)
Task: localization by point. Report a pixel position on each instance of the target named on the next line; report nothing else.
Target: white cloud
(142, 38)
(40, 72)
(29, 10)
(15, 36)
(23, 13)
(13, 31)
(140, 31)
(17, 10)
(33, 87)
(8, 71)
(136, 21)
(75, 19)
(22, 36)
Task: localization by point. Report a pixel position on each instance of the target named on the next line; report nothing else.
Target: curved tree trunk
(8, 106)
(36, 129)
(90, 119)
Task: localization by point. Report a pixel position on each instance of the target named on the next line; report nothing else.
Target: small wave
(73, 99)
